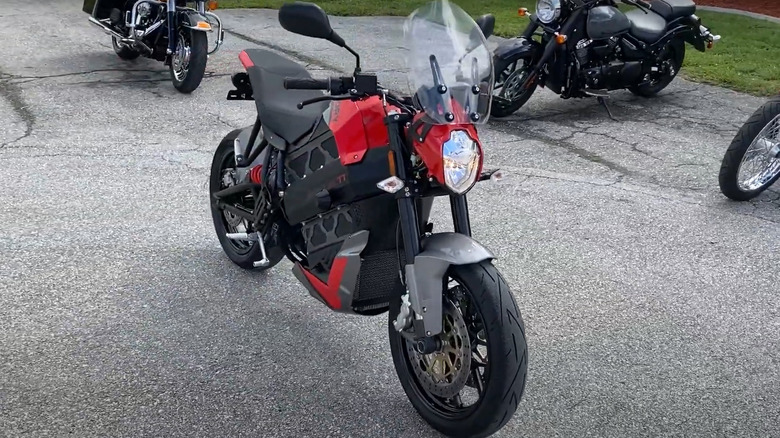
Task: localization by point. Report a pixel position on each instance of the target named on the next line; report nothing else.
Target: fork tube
(406, 205)
(460, 214)
(171, 26)
(201, 7)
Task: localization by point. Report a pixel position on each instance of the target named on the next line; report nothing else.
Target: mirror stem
(357, 58)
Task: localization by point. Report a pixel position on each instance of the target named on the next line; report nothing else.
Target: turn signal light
(203, 25)
(211, 5)
(561, 39)
(391, 185)
(523, 12)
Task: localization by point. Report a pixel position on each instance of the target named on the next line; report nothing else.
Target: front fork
(172, 26)
(410, 230)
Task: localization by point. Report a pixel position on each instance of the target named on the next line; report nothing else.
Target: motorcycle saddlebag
(103, 9)
(89, 6)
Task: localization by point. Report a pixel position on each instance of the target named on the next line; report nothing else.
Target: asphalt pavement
(651, 302)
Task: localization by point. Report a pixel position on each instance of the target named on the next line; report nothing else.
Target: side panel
(358, 126)
(337, 292)
(607, 21)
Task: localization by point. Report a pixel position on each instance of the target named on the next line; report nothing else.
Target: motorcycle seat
(646, 27)
(276, 105)
(673, 9)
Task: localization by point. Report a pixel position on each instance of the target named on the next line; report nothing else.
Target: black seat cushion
(673, 9)
(277, 105)
(646, 27)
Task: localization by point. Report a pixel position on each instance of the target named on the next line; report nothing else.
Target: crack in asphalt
(82, 73)
(13, 94)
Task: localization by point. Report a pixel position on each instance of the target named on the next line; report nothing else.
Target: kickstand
(603, 102)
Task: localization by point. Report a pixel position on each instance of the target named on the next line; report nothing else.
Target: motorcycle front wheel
(752, 161)
(470, 386)
(509, 95)
(188, 62)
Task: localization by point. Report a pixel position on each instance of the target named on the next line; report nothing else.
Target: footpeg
(252, 237)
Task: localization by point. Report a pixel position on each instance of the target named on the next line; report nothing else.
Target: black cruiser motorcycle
(167, 31)
(589, 47)
(752, 161)
(342, 184)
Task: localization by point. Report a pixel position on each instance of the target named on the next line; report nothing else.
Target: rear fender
(193, 20)
(424, 278)
(693, 36)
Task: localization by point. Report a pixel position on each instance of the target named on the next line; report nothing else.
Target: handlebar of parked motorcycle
(336, 86)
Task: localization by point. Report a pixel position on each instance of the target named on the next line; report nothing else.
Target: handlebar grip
(306, 84)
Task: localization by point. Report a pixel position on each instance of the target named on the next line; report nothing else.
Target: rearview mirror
(308, 19)
(487, 24)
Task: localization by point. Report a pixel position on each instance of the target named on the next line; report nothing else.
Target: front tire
(672, 63)
(498, 354)
(244, 254)
(508, 94)
(751, 165)
(188, 63)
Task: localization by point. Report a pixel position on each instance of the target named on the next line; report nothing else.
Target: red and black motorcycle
(342, 184)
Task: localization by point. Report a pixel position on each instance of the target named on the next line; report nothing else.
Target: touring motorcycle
(342, 184)
(166, 31)
(589, 47)
(752, 161)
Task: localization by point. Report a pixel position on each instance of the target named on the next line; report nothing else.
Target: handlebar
(306, 84)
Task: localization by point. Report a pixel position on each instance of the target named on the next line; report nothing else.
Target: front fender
(193, 20)
(424, 276)
(517, 48)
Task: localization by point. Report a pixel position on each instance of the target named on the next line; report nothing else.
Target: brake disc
(445, 372)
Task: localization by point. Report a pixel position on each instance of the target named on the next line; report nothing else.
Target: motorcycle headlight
(462, 158)
(548, 11)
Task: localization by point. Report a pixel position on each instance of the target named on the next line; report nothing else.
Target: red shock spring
(256, 174)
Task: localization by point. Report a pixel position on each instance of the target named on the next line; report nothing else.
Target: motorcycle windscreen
(449, 64)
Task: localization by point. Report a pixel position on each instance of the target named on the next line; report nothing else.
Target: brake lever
(321, 99)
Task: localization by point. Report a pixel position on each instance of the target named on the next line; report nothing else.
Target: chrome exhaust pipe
(121, 38)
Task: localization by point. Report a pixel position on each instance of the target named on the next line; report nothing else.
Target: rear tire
(491, 312)
(124, 51)
(244, 254)
(676, 57)
(735, 154)
(187, 70)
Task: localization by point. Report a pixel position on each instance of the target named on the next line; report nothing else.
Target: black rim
(230, 222)
(510, 80)
(472, 394)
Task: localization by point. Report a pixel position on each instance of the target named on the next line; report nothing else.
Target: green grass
(746, 59)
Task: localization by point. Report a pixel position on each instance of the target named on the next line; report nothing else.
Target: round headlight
(462, 158)
(548, 11)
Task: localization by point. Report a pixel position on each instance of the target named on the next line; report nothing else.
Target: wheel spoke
(477, 379)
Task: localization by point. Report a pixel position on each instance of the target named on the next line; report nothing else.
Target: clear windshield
(450, 65)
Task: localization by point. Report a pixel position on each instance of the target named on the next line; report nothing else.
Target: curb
(739, 12)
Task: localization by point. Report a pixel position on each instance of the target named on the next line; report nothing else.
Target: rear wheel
(242, 253)
(509, 94)
(472, 385)
(752, 161)
(188, 63)
(670, 66)
(123, 50)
